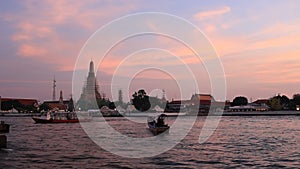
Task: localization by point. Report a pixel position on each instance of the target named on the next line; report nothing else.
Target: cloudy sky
(257, 42)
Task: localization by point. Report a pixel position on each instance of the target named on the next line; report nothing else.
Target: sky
(257, 43)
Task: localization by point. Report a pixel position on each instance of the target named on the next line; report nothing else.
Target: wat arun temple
(90, 96)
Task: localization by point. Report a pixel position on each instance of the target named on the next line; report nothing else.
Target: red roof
(202, 97)
(25, 102)
(261, 101)
(57, 104)
(204, 101)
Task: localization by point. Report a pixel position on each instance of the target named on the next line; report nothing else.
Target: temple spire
(61, 99)
(91, 67)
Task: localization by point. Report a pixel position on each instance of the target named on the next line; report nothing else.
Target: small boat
(159, 130)
(41, 120)
(158, 126)
(4, 128)
(104, 112)
(57, 117)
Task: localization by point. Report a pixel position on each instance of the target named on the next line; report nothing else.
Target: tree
(283, 101)
(275, 104)
(141, 100)
(239, 101)
(71, 105)
(44, 107)
(296, 99)
(112, 105)
(10, 104)
(103, 102)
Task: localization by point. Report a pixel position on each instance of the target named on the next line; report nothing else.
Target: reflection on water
(237, 142)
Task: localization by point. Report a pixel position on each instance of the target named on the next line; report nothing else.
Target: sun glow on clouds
(174, 51)
(45, 30)
(255, 45)
(265, 57)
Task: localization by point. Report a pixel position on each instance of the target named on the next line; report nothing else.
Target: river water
(238, 142)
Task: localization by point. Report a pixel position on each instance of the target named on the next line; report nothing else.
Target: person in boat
(161, 121)
(49, 117)
(151, 122)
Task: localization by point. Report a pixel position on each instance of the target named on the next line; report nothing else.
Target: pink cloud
(21, 37)
(212, 13)
(82, 13)
(37, 35)
(28, 31)
(271, 37)
(31, 51)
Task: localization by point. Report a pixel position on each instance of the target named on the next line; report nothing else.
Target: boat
(57, 117)
(41, 120)
(158, 126)
(4, 128)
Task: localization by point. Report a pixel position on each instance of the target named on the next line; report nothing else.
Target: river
(238, 142)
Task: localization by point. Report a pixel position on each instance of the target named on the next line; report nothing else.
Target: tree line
(15, 104)
(279, 102)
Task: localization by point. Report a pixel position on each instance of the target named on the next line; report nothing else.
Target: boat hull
(45, 121)
(159, 130)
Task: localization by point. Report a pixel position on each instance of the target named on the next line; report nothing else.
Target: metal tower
(54, 86)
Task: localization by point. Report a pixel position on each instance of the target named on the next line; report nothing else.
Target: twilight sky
(258, 43)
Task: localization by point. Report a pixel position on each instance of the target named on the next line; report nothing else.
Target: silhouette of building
(25, 102)
(199, 104)
(60, 104)
(91, 89)
(90, 97)
(15, 105)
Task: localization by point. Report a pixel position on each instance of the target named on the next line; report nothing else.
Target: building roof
(261, 101)
(202, 97)
(25, 102)
(56, 101)
(58, 104)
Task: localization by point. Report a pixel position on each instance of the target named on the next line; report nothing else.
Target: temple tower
(90, 90)
(61, 99)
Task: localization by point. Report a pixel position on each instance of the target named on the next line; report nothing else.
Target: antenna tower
(54, 86)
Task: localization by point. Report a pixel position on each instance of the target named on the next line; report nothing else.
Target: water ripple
(238, 142)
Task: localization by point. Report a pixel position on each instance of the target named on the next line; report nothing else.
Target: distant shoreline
(19, 114)
(250, 113)
(263, 113)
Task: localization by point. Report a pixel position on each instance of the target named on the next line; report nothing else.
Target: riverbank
(19, 114)
(263, 113)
